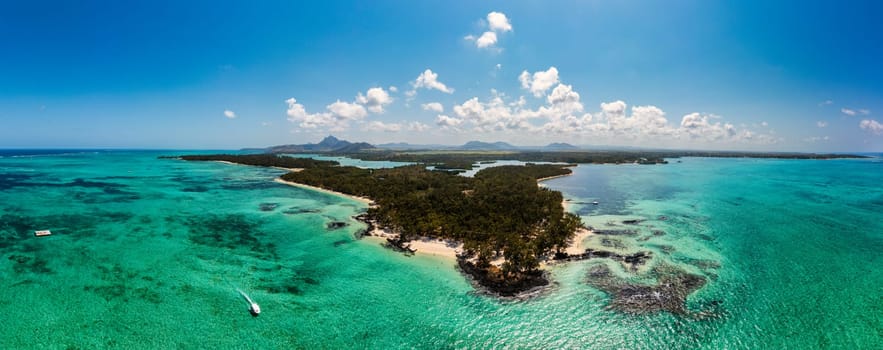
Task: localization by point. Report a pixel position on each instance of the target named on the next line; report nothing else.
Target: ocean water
(346, 161)
(148, 253)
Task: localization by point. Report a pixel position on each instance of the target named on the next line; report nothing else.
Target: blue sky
(743, 75)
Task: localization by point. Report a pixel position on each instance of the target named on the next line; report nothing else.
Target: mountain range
(331, 144)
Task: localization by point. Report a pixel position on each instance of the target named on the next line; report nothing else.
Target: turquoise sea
(148, 253)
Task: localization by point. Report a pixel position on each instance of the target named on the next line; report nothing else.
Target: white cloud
(487, 39)
(872, 126)
(614, 108)
(229, 114)
(417, 126)
(564, 99)
(381, 126)
(392, 88)
(298, 114)
(540, 81)
(698, 126)
(374, 99)
(764, 124)
(429, 80)
(395, 127)
(821, 123)
(346, 110)
(338, 117)
(433, 106)
(563, 114)
(446, 121)
(817, 139)
(826, 102)
(493, 115)
(498, 66)
(498, 22)
(853, 112)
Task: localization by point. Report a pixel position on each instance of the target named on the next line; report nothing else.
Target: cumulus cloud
(429, 80)
(540, 81)
(616, 108)
(563, 100)
(493, 115)
(393, 88)
(395, 127)
(337, 118)
(487, 39)
(340, 114)
(381, 126)
(417, 126)
(229, 114)
(498, 21)
(821, 123)
(560, 112)
(348, 111)
(433, 106)
(374, 99)
(698, 125)
(563, 114)
(871, 126)
(446, 121)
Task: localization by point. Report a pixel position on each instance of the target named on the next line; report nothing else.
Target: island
(506, 225)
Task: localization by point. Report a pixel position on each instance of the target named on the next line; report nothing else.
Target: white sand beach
(319, 189)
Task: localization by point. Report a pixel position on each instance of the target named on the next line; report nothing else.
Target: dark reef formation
(668, 294)
(490, 280)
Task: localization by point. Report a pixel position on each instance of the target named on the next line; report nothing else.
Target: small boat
(42, 233)
(253, 307)
(595, 203)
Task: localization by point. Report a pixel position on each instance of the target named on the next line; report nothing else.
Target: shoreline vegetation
(502, 226)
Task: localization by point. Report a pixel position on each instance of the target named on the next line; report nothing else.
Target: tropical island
(507, 224)
(499, 215)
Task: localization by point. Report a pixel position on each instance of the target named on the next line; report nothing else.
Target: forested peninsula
(500, 214)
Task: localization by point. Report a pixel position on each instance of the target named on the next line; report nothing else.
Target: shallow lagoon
(149, 253)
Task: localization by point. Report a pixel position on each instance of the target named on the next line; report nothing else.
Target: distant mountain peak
(330, 139)
(560, 146)
(328, 144)
(480, 145)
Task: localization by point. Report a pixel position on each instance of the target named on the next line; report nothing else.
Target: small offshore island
(505, 223)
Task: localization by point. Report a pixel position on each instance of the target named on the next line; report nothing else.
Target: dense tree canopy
(261, 160)
(499, 212)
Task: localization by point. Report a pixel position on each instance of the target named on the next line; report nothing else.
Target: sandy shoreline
(319, 189)
(423, 246)
(274, 167)
(446, 249)
(551, 177)
(576, 247)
